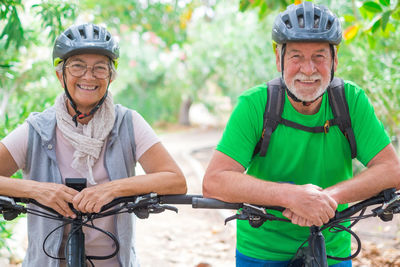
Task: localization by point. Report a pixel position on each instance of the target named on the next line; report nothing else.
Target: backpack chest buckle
(326, 126)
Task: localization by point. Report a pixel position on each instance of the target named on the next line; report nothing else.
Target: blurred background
(184, 62)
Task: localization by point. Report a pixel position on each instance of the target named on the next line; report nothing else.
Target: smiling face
(86, 91)
(307, 69)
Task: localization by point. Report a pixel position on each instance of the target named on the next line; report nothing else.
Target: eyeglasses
(79, 69)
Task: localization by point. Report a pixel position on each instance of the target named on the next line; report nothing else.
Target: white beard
(302, 94)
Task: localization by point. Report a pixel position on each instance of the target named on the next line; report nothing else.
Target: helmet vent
(286, 20)
(108, 37)
(329, 25)
(316, 21)
(96, 34)
(82, 33)
(70, 36)
(300, 20)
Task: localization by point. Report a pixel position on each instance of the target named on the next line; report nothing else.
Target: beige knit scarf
(86, 139)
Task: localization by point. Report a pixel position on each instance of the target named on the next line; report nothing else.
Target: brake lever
(144, 212)
(239, 216)
(168, 207)
(10, 209)
(255, 215)
(389, 207)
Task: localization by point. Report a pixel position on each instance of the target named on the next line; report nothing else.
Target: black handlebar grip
(177, 199)
(210, 203)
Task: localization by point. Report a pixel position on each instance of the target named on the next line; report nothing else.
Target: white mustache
(305, 78)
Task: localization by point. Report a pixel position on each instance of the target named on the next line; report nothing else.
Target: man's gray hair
(279, 49)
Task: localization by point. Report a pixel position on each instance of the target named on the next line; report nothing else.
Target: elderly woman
(85, 135)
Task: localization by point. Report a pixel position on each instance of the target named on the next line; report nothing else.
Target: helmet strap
(79, 114)
(333, 61)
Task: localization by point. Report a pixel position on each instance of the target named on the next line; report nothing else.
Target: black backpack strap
(272, 114)
(340, 109)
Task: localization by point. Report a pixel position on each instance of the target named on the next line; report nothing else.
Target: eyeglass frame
(110, 70)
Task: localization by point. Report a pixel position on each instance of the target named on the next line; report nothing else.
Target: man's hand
(309, 205)
(296, 219)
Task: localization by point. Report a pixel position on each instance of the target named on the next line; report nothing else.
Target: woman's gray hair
(59, 68)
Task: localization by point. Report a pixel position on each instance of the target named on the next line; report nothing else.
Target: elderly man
(304, 161)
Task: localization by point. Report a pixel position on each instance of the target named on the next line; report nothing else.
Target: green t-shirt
(298, 157)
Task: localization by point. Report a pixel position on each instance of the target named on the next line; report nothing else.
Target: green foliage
(264, 7)
(153, 78)
(372, 7)
(231, 62)
(142, 82)
(55, 15)
(167, 20)
(5, 233)
(12, 32)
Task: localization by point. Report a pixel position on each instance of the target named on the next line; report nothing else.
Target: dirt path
(193, 236)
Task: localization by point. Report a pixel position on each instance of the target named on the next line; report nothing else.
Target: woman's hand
(55, 196)
(91, 199)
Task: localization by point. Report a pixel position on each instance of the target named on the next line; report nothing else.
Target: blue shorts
(245, 261)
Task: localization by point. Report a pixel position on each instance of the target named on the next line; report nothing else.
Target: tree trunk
(184, 111)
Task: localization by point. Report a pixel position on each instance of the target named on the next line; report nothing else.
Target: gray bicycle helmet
(307, 22)
(85, 38)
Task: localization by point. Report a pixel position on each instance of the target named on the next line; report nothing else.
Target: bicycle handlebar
(210, 203)
(198, 202)
(143, 205)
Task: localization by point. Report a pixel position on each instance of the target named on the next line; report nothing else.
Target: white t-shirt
(97, 244)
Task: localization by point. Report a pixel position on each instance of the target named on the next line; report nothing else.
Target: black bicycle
(314, 255)
(142, 206)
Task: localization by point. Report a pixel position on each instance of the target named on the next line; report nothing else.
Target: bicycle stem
(75, 248)
(317, 245)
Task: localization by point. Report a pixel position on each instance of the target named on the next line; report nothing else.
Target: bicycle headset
(85, 39)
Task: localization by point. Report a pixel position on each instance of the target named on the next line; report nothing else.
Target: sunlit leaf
(255, 3)
(349, 18)
(244, 4)
(396, 14)
(385, 2)
(372, 7)
(376, 25)
(385, 19)
(350, 32)
(297, 2)
(263, 10)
